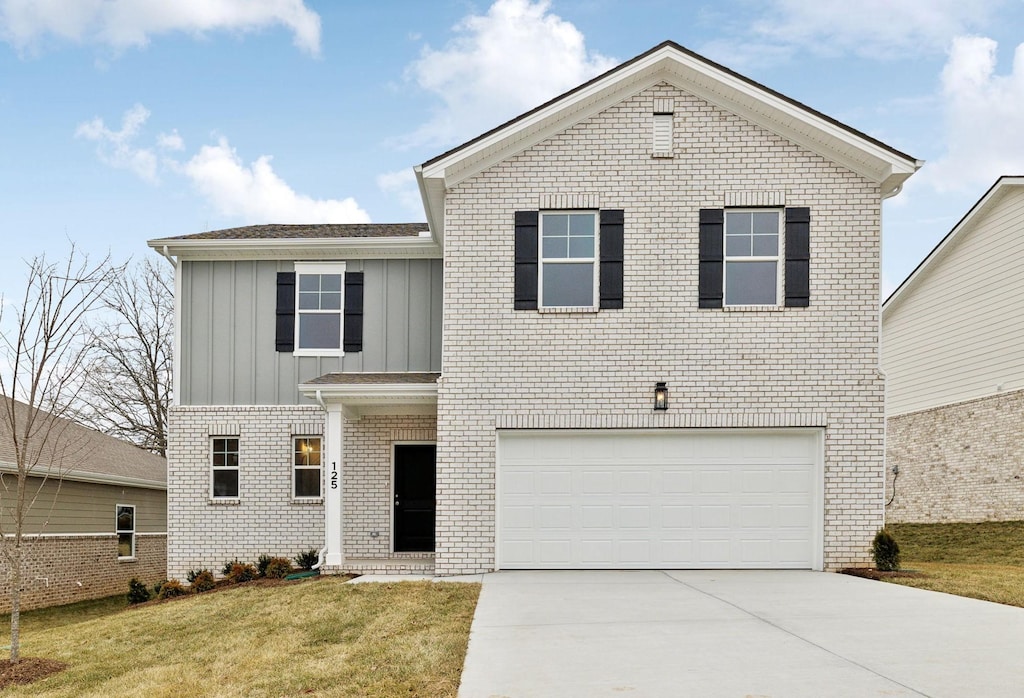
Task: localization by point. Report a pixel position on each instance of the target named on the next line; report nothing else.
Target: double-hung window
(319, 308)
(224, 461)
(306, 462)
(568, 261)
(752, 244)
(124, 522)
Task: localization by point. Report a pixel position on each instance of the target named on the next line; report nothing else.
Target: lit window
(124, 521)
(306, 462)
(568, 270)
(752, 243)
(319, 305)
(225, 468)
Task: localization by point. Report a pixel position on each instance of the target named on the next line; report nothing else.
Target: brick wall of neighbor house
(815, 366)
(962, 462)
(62, 569)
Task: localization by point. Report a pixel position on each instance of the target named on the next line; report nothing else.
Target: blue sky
(125, 120)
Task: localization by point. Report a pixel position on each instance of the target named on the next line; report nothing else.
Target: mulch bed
(29, 669)
(871, 573)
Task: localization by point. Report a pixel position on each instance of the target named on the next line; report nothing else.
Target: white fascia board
(300, 248)
(970, 219)
(84, 476)
(371, 393)
(432, 195)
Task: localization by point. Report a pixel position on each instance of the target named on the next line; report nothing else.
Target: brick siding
(962, 462)
(61, 569)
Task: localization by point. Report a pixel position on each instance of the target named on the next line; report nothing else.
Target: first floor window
(306, 467)
(124, 521)
(319, 308)
(752, 244)
(225, 467)
(568, 268)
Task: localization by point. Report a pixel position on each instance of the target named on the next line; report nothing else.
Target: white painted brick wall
(801, 366)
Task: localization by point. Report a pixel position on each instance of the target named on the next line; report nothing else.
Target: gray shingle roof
(73, 447)
(323, 230)
(374, 378)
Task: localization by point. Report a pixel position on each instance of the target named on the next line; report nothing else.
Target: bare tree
(42, 347)
(128, 384)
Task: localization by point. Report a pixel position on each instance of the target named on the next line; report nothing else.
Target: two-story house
(639, 330)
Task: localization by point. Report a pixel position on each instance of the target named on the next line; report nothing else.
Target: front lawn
(980, 560)
(321, 637)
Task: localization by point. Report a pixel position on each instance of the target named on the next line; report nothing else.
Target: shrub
(226, 570)
(157, 587)
(172, 588)
(241, 572)
(278, 568)
(886, 551)
(307, 559)
(261, 564)
(137, 591)
(201, 581)
(191, 575)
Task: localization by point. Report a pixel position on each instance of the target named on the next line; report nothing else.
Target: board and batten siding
(228, 355)
(958, 333)
(88, 507)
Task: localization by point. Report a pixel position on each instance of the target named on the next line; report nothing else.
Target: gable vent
(662, 135)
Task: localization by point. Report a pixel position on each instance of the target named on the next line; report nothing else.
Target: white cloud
(255, 194)
(402, 185)
(982, 118)
(514, 57)
(123, 24)
(170, 141)
(116, 148)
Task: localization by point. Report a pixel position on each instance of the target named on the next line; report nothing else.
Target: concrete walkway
(735, 633)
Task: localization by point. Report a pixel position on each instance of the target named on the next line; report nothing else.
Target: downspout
(885, 379)
(323, 551)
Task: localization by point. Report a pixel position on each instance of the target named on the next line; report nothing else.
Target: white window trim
(320, 268)
(594, 261)
(236, 468)
(778, 258)
(118, 531)
(318, 468)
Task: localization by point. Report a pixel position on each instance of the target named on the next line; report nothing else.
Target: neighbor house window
(124, 521)
(306, 461)
(319, 305)
(568, 269)
(752, 244)
(225, 467)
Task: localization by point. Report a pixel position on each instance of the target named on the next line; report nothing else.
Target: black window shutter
(353, 331)
(798, 257)
(611, 258)
(527, 224)
(711, 257)
(285, 335)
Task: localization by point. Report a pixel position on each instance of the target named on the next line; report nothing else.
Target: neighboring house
(953, 354)
(99, 517)
(639, 331)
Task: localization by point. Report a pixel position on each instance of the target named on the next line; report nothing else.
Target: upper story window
(568, 268)
(752, 244)
(319, 308)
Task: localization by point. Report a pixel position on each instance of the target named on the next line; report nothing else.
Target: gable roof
(668, 62)
(88, 455)
(963, 228)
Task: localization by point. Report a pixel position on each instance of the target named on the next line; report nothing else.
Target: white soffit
(298, 248)
(980, 209)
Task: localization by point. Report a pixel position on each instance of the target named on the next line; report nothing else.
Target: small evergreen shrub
(278, 568)
(241, 572)
(886, 551)
(191, 575)
(201, 581)
(261, 564)
(172, 588)
(307, 559)
(157, 587)
(226, 570)
(137, 591)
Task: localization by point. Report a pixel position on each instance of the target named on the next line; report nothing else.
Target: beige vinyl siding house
(953, 354)
(99, 516)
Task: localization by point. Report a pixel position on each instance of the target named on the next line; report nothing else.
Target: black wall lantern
(660, 396)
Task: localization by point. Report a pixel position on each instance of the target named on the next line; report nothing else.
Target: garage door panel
(677, 499)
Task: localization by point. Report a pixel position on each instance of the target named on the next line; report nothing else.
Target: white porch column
(333, 503)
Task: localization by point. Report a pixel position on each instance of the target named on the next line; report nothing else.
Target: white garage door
(667, 499)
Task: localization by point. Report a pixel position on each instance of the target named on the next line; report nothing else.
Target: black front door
(414, 498)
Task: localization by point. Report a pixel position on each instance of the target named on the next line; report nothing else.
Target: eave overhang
(422, 247)
(358, 399)
(86, 476)
(692, 73)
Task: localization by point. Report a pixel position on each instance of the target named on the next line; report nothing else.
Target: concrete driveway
(735, 633)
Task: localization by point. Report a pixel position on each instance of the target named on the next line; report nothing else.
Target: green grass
(317, 636)
(979, 560)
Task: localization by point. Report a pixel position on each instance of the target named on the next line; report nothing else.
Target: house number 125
(334, 475)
